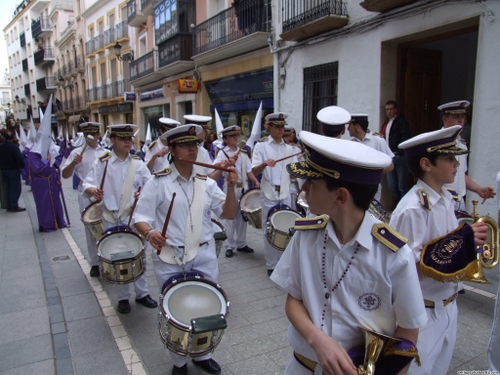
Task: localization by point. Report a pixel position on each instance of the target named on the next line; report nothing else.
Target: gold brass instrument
(489, 257)
(374, 344)
(379, 212)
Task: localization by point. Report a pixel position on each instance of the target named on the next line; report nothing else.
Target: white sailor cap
(288, 130)
(277, 118)
(168, 123)
(454, 108)
(333, 118)
(183, 133)
(122, 130)
(90, 127)
(339, 159)
(441, 142)
(199, 120)
(230, 130)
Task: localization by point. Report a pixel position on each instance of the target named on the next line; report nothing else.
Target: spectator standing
(11, 163)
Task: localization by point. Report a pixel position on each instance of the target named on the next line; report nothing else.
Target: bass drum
(192, 317)
(251, 208)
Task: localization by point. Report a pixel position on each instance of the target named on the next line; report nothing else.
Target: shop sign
(129, 96)
(117, 108)
(187, 85)
(151, 94)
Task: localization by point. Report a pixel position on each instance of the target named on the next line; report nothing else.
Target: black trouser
(12, 179)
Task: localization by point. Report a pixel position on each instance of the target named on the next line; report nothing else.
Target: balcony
(66, 70)
(384, 5)
(44, 55)
(22, 39)
(27, 90)
(90, 48)
(96, 93)
(79, 66)
(116, 89)
(109, 38)
(121, 32)
(142, 70)
(79, 102)
(46, 84)
(174, 55)
(303, 19)
(148, 7)
(235, 31)
(135, 17)
(41, 28)
(98, 44)
(25, 65)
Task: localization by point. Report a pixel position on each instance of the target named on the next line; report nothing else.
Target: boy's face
(231, 140)
(452, 120)
(318, 196)
(277, 131)
(122, 144)
(445, 170)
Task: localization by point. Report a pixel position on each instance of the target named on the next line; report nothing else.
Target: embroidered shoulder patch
(163, 172)
(454, 194)
(152, 145)
(105, 156)
(201, 176)
(378, 134)
(388, 236)
(134, 156)
(263, 139)
(424, 199)
(308, 223)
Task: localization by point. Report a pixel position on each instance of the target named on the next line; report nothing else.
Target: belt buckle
(277, 188)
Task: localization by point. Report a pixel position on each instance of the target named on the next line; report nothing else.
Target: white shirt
(239, 163)
(271, 150)
(160, 162)
(379, 144)
(420, 226)
(115, 176)
(89, 156)
(379, 291)
(155, 199)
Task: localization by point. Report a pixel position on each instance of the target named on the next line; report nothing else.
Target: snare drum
(192, 317)
(92, 218)
(251, 208)
(219, 235)
(280, 227)
(122, 257)
(302, 205)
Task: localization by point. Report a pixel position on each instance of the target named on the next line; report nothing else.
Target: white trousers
(205, 262)
(494, 345)
(141, 285)
(436, 341)
(272, 255)
(236, 230)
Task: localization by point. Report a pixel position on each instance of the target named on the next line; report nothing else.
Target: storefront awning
(74, 118)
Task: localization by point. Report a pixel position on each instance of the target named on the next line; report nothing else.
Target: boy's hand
(480, 233)
(333, 358)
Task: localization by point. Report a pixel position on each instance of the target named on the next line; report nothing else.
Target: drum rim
(283, 209)
(175, 284)
(86, 209)
(109, 234)
(244, 198)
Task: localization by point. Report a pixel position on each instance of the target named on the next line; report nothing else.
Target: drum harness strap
(271, 190)
(192, 234)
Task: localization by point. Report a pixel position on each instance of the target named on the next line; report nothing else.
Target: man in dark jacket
(11, 163)
(396, 130)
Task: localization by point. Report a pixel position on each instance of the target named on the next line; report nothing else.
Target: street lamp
(128, 56)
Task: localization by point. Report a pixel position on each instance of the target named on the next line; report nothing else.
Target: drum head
(193, 299)
(250, 201)
(284, 219)
(92, 213)
(119, 242)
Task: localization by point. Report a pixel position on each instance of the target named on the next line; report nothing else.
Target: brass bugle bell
(374, 345)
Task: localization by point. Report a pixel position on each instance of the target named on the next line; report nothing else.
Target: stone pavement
(55, 319)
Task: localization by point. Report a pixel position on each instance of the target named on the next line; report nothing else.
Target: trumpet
(489, 257)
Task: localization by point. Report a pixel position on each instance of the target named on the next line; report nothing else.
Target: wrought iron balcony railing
(143, 66)
(121, 30)
(89, 47)
(297, 13)
(177, 48)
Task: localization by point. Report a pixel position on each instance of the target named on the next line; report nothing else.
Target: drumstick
(286, 157)
(104, 176)
(207, 165)
(89, 138)
(133, 208)
(165, 224)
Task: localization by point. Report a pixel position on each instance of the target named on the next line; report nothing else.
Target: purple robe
(25, 171)
(76, 181)
(46, 187)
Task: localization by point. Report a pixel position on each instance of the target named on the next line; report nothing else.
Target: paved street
(55, 319)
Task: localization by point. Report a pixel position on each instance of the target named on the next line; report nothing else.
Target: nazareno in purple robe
(25, 171)
(46, 187)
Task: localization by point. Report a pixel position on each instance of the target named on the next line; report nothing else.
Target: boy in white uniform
(444, 254)
(345, 269)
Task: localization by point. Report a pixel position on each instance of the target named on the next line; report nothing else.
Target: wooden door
(420, 92)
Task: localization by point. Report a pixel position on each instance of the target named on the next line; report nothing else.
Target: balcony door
(114, 74)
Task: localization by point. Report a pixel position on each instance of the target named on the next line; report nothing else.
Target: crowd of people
(346, 273)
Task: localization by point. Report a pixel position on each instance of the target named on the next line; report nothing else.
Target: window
(320, 90)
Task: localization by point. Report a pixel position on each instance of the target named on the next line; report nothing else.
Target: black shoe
(94, 271)
(461, 291)
(246, 249)
(229, 253)
(180, 370)
(209, 365)
(17, 209)
(269, 272)
(147, 302)
(123, 306)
